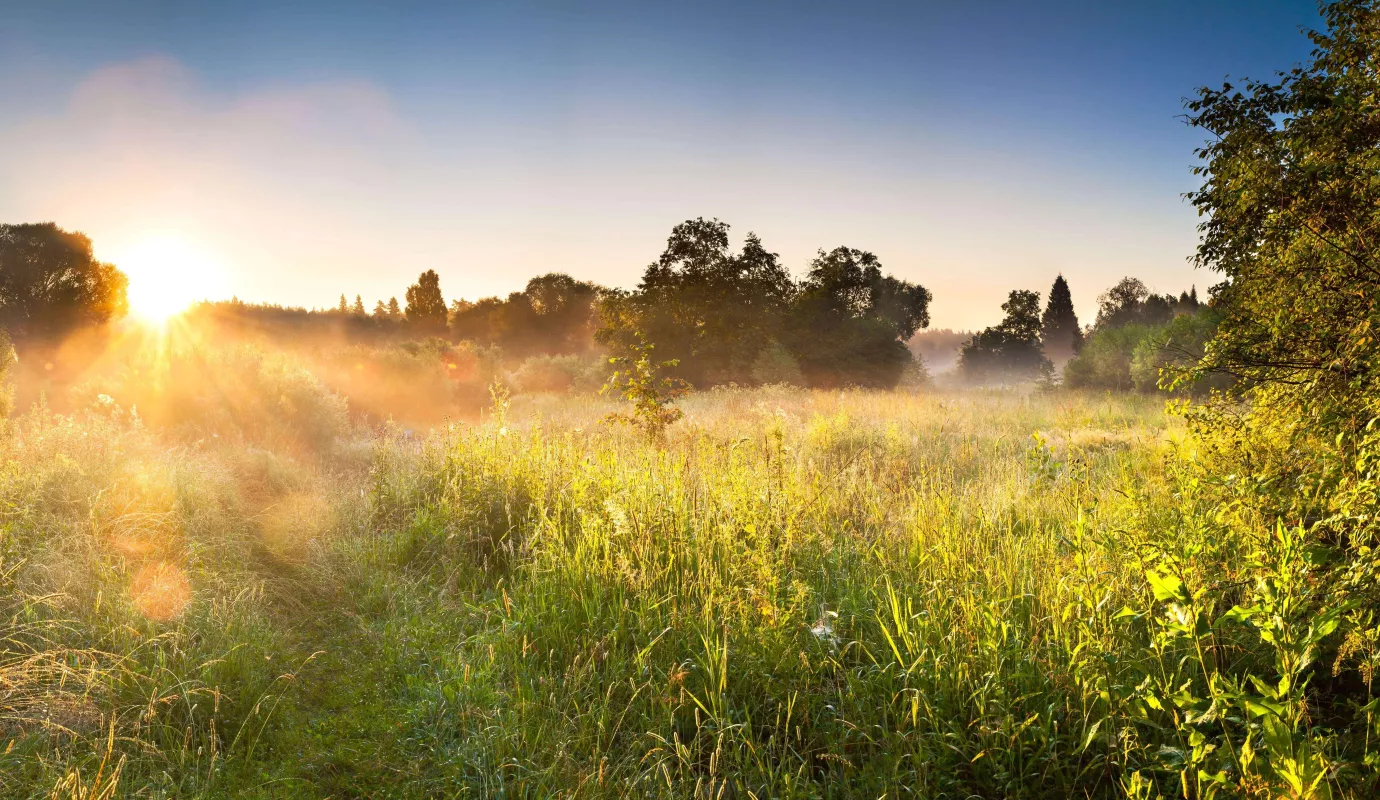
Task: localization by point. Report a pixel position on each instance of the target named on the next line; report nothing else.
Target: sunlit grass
(797, 590)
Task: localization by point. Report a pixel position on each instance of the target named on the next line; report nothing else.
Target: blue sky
(310, 149)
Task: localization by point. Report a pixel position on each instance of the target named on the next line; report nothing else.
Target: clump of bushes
(1146, 357)
(1143, 341)
(556, 373)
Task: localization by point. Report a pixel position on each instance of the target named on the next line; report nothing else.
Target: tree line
(722, 316)
(1138, 337)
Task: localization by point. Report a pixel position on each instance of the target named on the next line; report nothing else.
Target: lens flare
(161, 591)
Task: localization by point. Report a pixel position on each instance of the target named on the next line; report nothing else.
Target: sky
(291, 152)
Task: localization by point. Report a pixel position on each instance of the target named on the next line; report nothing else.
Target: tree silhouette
(344, 307)
(554, 314)
(1121, 304)
(358, 308)
(849, 322)
(709, 309)
(1010, 351)
(426, 308)
(1060, 335)
(50, 284)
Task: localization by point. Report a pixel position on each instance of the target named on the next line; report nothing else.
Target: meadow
(793, 594)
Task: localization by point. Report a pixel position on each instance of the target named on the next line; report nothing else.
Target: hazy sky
(310, 149)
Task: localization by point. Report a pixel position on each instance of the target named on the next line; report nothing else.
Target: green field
(796, 594)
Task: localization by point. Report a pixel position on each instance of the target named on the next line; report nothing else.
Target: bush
(1167, 353)
(1105, 361)
(415, 382)
(547, 373)
(1147, 357)
(776, 365)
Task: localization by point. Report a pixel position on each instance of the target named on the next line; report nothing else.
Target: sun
(167, 274)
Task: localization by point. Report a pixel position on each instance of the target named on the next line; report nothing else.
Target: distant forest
(713, 315)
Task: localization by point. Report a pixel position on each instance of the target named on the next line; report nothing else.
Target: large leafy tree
(710, 309)
(849, 322)
(1010, 351)
(1292, 209)
(1291, 206)
(1060, 335)
(51, 284)
(426, 308)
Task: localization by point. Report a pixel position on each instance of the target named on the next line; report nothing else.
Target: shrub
(547, 373)
(1105, 360)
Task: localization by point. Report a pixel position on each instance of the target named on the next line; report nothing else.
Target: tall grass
(794, 594)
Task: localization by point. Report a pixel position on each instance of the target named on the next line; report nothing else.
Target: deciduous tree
(1008, 352)
(849, 322)
(51, 284)
(426, 308)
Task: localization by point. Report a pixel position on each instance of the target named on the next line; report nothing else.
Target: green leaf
(1237, 614)
(1126, 612)
(1092, 733)
(1166, 587)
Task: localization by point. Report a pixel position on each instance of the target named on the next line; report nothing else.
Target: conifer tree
(358, 309)
(1060, 335)
(394, 312)
(344, 307)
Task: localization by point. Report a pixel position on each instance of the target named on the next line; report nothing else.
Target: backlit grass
(796, 594)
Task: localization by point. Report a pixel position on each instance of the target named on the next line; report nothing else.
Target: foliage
(1105, 360)
(1290, 208)
(849, 321)
(1168, 356)
(1008, 352)
(1060, 335)
(554, 315)
(426, 308)
(559, 373)
(711, 310)
(650, 393)
(1275, 599)
(723, 315)
(776, 365)
(50, 284)
(241, 394)
(1148, 356)
(1129, 302)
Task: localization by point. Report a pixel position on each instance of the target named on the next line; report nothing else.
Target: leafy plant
(651, 394)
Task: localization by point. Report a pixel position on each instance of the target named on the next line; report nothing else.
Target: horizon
(294, 154)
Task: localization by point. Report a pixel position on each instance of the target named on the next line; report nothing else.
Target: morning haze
(718, 400)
